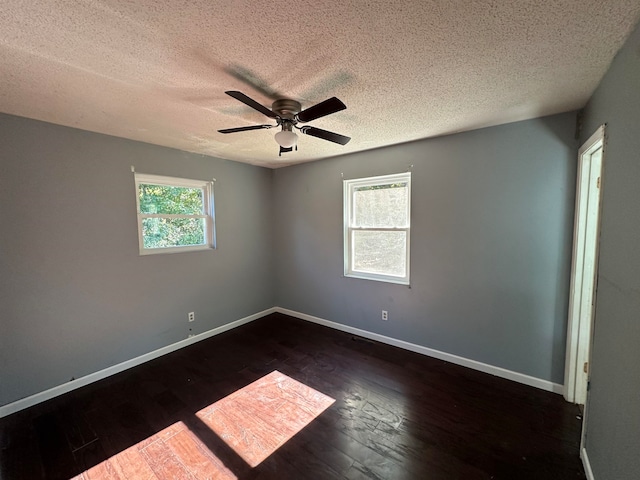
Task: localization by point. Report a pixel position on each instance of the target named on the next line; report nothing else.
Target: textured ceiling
(156, 70)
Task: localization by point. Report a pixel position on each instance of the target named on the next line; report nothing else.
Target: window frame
(349, 189)
(208, 212)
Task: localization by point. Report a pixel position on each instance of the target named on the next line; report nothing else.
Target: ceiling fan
(288, 113)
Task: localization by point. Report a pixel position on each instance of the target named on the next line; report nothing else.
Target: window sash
(351, 271)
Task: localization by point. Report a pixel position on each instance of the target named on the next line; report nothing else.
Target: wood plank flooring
(396, 415)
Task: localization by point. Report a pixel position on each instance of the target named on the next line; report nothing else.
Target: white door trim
(584, 266)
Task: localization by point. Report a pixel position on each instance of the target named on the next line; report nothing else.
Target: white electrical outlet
(385, 315)
(192, 316)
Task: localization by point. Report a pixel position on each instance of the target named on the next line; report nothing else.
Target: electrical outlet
(192, 316)
(385, 315)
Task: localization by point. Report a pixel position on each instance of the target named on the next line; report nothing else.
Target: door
(584, 267)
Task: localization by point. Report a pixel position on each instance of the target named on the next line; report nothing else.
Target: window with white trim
(377, 220)
(174, 214)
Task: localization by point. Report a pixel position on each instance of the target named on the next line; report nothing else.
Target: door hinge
(598, 183)
(588, 386)
(586, 367)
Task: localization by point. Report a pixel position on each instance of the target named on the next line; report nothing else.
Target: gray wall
(75, 296)
(613, 408)
(492, 226)
(492, 215)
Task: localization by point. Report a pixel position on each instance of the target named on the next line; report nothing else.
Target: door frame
(584, 267)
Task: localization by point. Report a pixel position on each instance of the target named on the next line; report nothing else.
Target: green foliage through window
(172, 200)
(173, 213)
(381, 187)
(172, 232)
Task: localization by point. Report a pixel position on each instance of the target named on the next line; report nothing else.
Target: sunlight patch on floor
(175, 452)
(253, 421)
(259, 418)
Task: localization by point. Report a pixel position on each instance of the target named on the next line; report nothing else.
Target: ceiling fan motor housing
(286, 108)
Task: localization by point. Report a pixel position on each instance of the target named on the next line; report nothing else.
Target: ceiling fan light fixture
(286, 138)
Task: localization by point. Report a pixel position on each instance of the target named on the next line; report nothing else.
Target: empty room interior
(352, 240)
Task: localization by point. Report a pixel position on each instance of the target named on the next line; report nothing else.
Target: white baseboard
(40, 397)
(448, 357)
(586, 464)
(107, 372)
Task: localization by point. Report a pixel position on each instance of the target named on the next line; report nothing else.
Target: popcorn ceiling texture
(156, 71)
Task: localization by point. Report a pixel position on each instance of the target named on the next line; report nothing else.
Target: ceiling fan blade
(251, 102)
(325, 135)
(244, 129)
(329, 106)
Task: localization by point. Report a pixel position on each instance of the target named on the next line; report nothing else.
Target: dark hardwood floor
(396, 415)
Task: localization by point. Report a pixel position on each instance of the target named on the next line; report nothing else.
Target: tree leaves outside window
(173, 215)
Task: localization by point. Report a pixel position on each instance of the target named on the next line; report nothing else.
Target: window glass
(381, 205)
(380, 252)
(166, 199)
(173, 232)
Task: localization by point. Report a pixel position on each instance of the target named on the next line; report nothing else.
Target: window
(377, 217)
(174, 214)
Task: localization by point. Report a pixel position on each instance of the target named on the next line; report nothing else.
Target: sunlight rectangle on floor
(259, 418)
(174, 452)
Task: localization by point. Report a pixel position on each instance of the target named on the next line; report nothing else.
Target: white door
(584, 267)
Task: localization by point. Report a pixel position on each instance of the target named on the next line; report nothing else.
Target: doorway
(584, 267)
